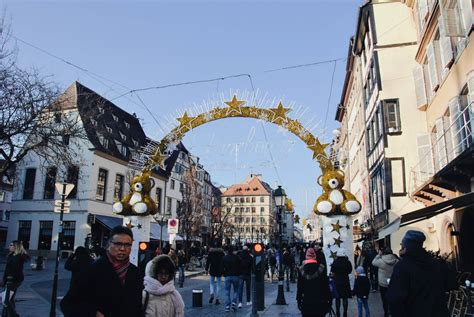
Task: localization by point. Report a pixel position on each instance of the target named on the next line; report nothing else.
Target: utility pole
(64, 189)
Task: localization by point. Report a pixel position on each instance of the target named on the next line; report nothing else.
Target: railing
(457, 137)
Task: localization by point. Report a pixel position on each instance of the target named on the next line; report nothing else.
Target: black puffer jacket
(214, 261)
(313, 295)
(341, 268)
(246, 260)
(418, 285)
(232, 266)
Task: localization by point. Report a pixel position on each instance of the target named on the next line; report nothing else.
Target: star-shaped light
(234, 106)
(139, 226)
(254, 112)
(333, 255)
(318, 148)
(348, 227)
(129, 225)
(279, 113)
(336, 227)
(159, 158)
(294, 126)
(338, 241)
(185, 121)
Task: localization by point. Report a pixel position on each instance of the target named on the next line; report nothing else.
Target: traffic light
(258, 249)
(143, 251)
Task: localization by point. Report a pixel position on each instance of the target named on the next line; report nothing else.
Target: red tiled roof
(254, 187)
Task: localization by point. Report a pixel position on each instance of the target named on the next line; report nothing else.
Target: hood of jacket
(216, 250)
(150, 266)
(311, 271)
(389, 259)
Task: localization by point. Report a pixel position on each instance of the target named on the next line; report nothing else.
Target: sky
(114, 47)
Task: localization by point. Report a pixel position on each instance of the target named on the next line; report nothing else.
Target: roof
(252, 187)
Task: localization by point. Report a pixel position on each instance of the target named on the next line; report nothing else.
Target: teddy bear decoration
(334, 200)
(138, 202)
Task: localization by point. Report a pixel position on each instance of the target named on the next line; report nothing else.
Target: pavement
(34, 295)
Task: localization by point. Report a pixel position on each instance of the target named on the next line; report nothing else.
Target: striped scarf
(120, 268)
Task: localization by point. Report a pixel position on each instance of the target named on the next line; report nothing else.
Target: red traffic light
(257, 248)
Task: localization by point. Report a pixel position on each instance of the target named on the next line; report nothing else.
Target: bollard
(39, 263)
(197, 297)
(8, 309)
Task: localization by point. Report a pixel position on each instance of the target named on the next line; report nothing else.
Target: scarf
(154, 287)
(120, 267)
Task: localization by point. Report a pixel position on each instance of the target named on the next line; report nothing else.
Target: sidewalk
(291, 309)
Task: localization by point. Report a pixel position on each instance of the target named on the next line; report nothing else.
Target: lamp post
(162, 221)
(280, 196)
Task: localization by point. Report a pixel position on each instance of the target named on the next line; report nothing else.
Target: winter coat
(385, 264)
(103, 291)
(181, 258)
(313, 294)
(231, 265)
(14, 268)
(321, 258)
(418, 285)
(246, 260)
(71, 304)
(214, 261)
(163, 300)
(341, 268)
(287, 259)
(362, 286)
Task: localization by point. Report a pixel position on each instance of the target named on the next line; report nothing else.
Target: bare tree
(220, 220)
(33, 117)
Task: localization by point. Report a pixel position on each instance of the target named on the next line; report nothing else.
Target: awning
(436, 209)
(109, 222)
(155, 232)
(426, 213)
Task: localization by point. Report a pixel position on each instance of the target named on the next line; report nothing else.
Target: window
(172, 184)
(72, 177)
(127, 125)
(118, 187)
(378, 193)
(236, 199)
(45, 235)
(93, 122)
(237, 209)
(115, 117)
(101, 110)
(253, 219)
(392, 116)
(247, 199)
(69, 232)
(66, 138)
(229, 209)
(122, 148)
(108, 129)
(24, 232)
(242, 200)
(123, 136)
(181, 187)
(169, 201)
(253, 199)
(101, 184)
(253, 209)
(247, 210)
(262, 209)
(29, 188)
(57, 117)
(247, 219)
(49, 183)
(229, 200)
(135, 143)
(103, 140)
(262, 199)
(158, 197)
(262, 220)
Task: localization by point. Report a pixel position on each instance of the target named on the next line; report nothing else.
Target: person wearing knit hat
(419, 281)
(362, 290)
(313, 295)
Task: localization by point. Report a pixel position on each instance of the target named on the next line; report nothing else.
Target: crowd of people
(412, 284)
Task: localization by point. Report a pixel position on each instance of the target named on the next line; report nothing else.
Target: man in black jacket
(214, 269)
(232, 269)
(112, 285)
(419, 281)
(246, 259)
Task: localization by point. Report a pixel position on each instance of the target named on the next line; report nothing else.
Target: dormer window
(109, 129)
(115, 117)
(122, 148)
(135, 143)
(127, 125)
(101, 110)
(123, 136)
(94, 122)
(103, 140)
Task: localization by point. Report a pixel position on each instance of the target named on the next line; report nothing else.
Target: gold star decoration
(338, 241)
(318, 148)
(336, 227)
(329, 246)
(185, 121)
(234, 106)
(348, 227)
(294, 126)
(333, 255)
(129, 225)
(279, 113)
(254, 112)
(159, 158)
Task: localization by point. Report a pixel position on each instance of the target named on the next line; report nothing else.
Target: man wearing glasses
(113, 286)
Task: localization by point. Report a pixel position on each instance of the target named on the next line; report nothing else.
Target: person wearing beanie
(313, 295)
(341, 268)
(419, 281)
(362, 290)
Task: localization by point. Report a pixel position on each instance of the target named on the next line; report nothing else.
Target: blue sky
(124, 45)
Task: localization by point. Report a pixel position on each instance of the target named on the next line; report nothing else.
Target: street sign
(58, 202)
(173, 226)
(66, 210)
(64, 188)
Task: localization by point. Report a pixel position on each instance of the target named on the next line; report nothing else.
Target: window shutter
(440, 146)
(445, 46)
(451, 18)
(425, 156)
(447, 138)
(466, 8)
(432, 67)
(423, 9)
(421, 100)
(455, 124)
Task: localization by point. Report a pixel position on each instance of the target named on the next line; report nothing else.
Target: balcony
(446, 165)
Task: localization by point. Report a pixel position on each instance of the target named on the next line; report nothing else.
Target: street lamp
(162, 221)
(280, 196)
